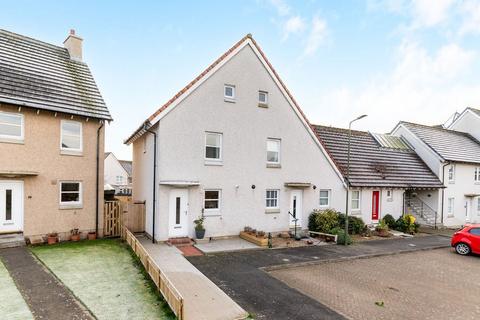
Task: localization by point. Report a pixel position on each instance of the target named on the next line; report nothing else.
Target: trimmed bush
(341, 238)
(323, 221)
(407, 224)
(355, 224)
(390, 221)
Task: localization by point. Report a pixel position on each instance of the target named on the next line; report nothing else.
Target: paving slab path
(46, 297)
(203, 300)
(244, 277)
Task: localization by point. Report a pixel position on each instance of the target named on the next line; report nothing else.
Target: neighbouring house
(468, 121)
(118, 175)
(454, 157)
(51, 138)
(383, 171)
(235, 147)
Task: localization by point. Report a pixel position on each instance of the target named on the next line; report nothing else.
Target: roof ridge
(436, 128)
(332, 128)
(32, 39)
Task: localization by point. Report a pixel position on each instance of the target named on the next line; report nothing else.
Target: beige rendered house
(51, 139)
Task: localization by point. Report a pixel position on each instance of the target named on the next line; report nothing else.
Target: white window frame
(75, 204)
(451, 170)
(451, 207)
(81, 136)
(277, 198)
(389, 197)
(320, 198)
(232, 97)
(212, 210)
(119, 181)
(477, 175)
(22, 127)
(279, 142)
(352, 199)
(220, 153)
(266, 97)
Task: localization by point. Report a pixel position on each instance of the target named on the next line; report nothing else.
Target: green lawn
(12, 305)
(106, 277)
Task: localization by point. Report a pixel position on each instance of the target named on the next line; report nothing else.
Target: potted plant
(52, 238)
(92, 235)
(382, 228)
(199, 228)
(74, 235)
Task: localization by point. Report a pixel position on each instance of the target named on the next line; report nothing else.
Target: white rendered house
(118, 174)
(454, 157)
(235, 147)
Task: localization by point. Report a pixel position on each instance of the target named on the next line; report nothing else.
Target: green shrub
(341, 238)
(323, 221)
(407, 224)
(355, 224)
(390, 221)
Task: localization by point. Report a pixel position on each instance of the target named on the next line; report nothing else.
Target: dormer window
(262, 98)
(229, 92)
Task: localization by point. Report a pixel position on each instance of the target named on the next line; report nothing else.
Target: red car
(467, 240)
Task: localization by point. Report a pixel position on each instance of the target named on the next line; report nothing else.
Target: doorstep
(12, 240)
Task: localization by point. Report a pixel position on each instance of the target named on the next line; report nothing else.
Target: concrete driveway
(243, 276)
(436, 284)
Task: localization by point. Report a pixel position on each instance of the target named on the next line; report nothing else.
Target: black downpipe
(443, 189)
(98, 176)
(154, 178)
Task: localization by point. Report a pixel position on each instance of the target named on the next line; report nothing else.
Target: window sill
(70, 206)
(274, 165)
(13, 141)
(272, 210)
(71, 153)
(213, 163)
(229, 100)
(262, 105)
(323, 207)
(212, 213)
(356, 213)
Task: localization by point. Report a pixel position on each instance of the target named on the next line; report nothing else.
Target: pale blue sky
(392, 59)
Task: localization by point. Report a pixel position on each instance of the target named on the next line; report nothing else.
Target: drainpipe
(443, 189)
(97, 177)
(154, 177)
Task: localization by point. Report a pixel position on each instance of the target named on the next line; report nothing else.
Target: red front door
(375, 204)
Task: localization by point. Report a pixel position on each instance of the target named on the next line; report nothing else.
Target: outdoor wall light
(253, 186)
(314, 187)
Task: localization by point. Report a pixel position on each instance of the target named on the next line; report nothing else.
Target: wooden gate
(113, 218)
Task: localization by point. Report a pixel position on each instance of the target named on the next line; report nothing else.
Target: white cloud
(294, 25)
(281, 6)
(317, 35)
(470, 10)
(429, 13)
(422, 87)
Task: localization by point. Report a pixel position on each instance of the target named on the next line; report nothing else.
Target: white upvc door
(178, 213)
(11, 206)
(296, 197)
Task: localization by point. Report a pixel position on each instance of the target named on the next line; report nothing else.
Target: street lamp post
(348, 173)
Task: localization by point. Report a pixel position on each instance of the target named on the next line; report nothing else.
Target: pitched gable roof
(450, 145)
(476, 111)
(374, 165)
(43, 76)
(127, 165)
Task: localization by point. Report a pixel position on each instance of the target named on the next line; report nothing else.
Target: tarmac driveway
(436, 284)
(243, 276)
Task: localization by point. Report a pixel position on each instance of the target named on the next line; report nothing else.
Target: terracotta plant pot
(382, 232)
(52, 239)
(92, 236)
(75, 237)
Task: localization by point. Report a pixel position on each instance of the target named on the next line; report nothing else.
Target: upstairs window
(451, 173)
(213, 146)
(70, 193)
(324, 198)
(71, 136)
(477, 174)
(263, 98)
(229, 92)
(11, 126)
(271, 199)
(273, 151)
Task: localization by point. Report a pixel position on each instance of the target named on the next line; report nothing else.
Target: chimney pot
(73, 44)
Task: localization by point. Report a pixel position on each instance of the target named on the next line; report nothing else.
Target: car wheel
(462, 248)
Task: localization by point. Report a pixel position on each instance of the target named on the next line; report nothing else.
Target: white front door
(178, 213)
(11, 206)
(296, 197)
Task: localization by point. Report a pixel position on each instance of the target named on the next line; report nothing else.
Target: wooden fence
(118, 214)
(164, 285)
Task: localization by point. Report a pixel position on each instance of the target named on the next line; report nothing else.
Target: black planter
(200, 233)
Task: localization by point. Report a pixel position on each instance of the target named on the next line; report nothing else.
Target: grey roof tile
(127, 165)
(449, 144)
(372, 165)
(41, 75)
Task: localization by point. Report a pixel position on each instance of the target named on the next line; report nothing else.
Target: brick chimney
(73, 44)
